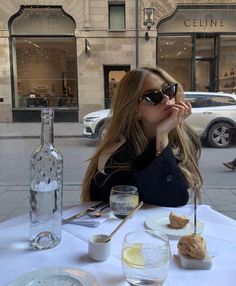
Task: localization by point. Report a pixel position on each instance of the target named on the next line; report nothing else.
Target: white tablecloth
(219, 232)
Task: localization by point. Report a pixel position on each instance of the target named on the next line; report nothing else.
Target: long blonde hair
(125, 123)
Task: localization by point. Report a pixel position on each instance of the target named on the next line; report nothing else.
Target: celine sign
(200, 20)
(203, 23)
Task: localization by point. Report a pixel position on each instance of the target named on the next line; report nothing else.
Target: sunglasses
(156, 96)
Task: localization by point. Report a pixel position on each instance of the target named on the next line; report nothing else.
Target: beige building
(71, 54)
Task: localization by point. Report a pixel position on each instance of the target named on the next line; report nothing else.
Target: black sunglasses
(156, 96)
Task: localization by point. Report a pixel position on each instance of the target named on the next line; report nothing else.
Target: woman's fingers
(184, 109)
(178, 113)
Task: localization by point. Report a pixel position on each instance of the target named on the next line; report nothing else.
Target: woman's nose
(165, 98)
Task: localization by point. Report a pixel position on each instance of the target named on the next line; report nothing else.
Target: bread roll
(177, 221)
(192, 245)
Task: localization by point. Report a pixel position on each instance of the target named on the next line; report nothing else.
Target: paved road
(219, 183)
(15, 156)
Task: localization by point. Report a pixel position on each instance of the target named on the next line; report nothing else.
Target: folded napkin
(90, 221)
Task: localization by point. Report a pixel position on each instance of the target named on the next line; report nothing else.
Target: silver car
(213, 116)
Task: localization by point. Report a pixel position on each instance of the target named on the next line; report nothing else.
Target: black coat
(158, 178)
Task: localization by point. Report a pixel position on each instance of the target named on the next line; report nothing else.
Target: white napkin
(87, 220)
(90, 221)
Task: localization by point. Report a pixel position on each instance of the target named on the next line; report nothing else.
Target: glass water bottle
(46, 185)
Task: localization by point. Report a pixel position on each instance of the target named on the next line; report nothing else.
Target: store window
(116, 16)
(175, 56)
(44, 59)
(212, 41)
(227, 64)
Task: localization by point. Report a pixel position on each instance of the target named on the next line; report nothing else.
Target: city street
(15, 157)
(219, 183)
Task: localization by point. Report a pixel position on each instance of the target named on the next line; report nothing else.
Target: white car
(213, 114)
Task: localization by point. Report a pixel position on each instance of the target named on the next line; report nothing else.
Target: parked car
(213, 114)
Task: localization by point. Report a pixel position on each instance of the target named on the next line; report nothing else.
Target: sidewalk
(33, 130)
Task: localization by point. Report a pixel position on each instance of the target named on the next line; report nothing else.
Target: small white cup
(97, 249)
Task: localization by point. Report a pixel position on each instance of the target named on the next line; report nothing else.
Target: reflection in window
(174, 56)
(116, 16)
(204, 47)
(44, 66)
(223, 100)
(202, 100)
(227, 64)
(45, 72)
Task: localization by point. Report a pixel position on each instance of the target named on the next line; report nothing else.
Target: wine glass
(145, 257)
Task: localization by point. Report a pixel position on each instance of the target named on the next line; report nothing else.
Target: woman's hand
(178, 112)
(181, 110)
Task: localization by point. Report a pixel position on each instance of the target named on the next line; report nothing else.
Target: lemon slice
(132, 255)
(133, 201)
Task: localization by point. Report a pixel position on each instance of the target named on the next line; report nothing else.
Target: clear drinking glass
(123, 199)
(145, 257)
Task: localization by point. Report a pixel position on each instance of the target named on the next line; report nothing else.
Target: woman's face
(153, 114)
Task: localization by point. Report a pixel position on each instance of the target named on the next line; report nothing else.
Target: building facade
(71, 54)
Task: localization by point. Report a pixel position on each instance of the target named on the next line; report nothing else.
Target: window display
(227, 64)
(175, 56)
(44, 59)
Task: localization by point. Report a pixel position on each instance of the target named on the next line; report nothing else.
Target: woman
(147, 143)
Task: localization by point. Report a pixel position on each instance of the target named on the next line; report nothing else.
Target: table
(219, 232)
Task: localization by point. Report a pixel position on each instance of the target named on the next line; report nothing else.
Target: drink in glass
(123, 199)
(145, 257)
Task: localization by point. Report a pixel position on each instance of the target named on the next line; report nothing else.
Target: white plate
(56, 276)
(162, 224)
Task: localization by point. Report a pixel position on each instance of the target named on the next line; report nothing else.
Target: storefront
(197, 45)
(70, 55)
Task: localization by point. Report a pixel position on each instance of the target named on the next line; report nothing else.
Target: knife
(82, 213)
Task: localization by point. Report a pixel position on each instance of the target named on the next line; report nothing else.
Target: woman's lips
(168, 108)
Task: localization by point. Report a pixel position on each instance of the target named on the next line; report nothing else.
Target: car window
(223, 100)
(200, 100)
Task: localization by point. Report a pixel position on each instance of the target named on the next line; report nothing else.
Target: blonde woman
(147, 143)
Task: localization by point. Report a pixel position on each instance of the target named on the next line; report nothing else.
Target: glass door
(112, 76)
(206, 63)
(204, 75)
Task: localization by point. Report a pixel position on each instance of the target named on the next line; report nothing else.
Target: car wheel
(218, 135)
(101, 131)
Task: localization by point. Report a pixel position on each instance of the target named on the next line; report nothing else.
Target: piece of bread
(177, 221)
(193, 246)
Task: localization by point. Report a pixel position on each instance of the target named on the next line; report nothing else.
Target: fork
(99, 212)
(82, 213)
